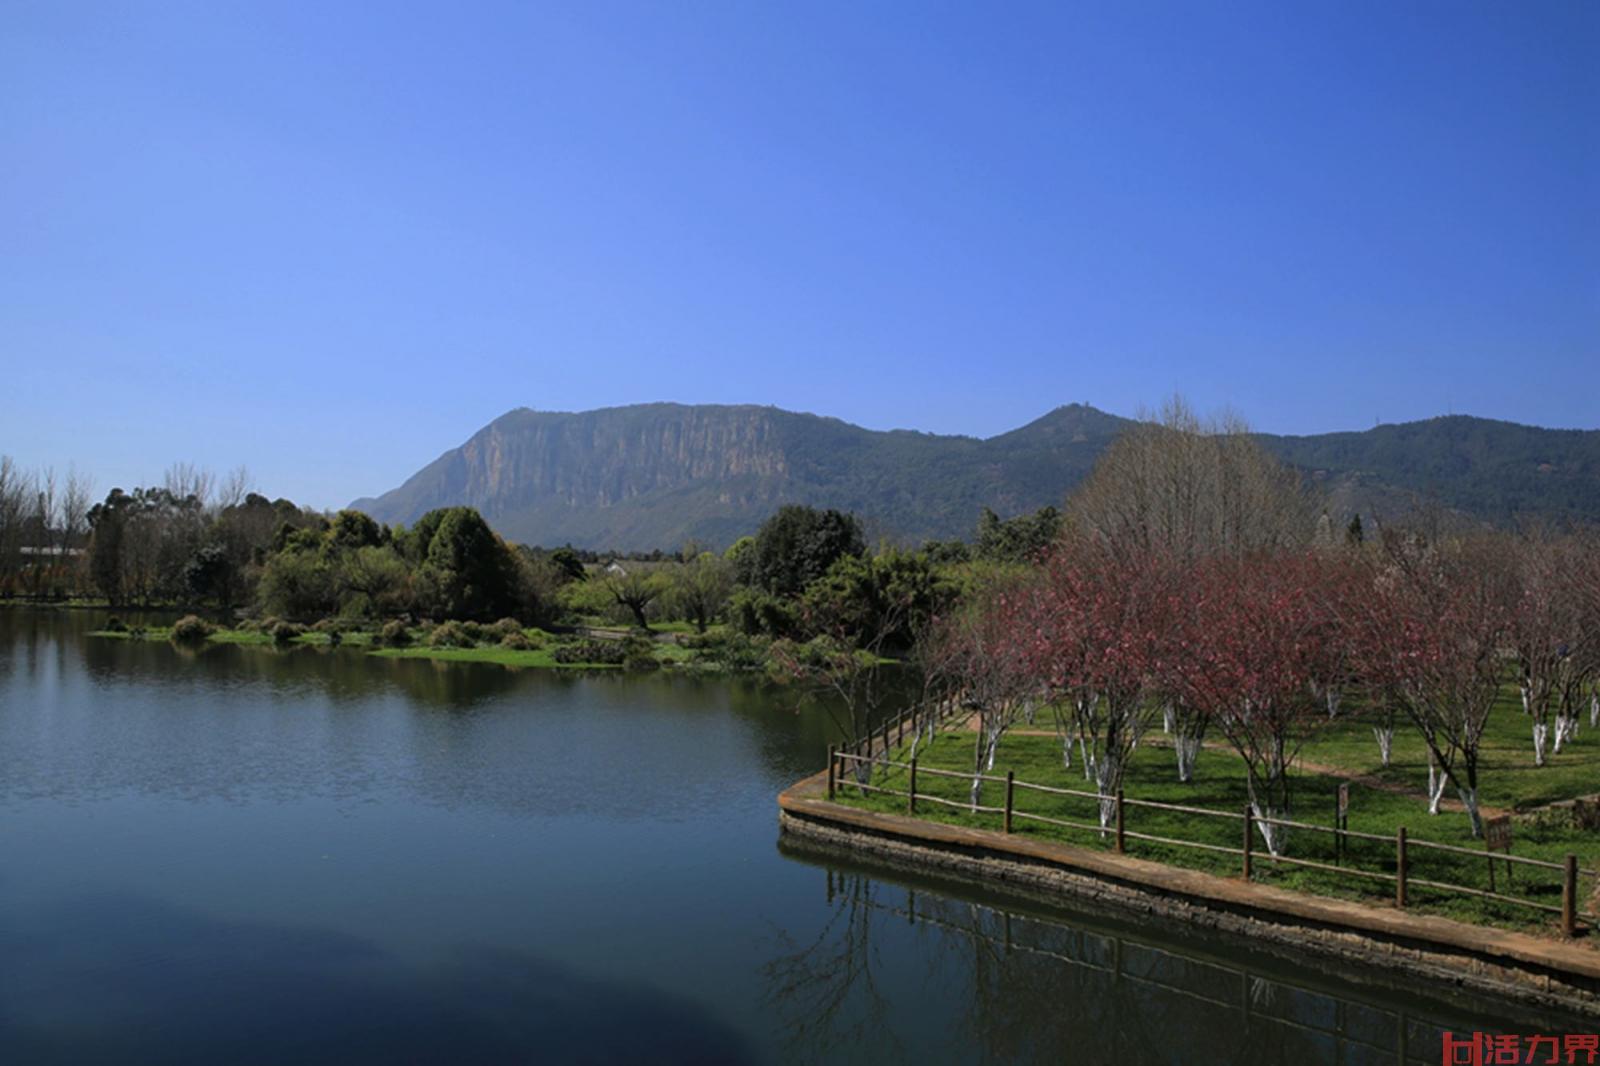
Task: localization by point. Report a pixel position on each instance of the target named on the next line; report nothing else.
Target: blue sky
(330, 240)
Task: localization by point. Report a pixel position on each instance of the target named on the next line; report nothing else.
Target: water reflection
(232, 722)
(1035, 987)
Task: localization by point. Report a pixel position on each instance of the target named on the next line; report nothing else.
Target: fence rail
(1403, 876)
(887, 737)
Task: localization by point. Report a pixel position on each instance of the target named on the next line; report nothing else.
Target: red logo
(1491, 1049)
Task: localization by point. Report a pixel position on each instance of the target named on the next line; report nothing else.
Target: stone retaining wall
(1551, 975)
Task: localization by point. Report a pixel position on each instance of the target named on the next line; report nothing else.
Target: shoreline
(534, 658)
(1529, 969)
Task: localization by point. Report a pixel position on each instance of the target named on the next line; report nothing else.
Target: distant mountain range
(654, 475)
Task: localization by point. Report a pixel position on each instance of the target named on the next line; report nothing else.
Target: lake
(244, 855)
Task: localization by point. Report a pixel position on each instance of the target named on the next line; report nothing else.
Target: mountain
(1495, 471)
(655, 475)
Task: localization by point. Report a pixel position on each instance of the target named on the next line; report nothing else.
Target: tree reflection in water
(826, 994)
(1031, 989)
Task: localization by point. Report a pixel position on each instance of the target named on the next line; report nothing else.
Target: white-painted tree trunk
(1273, 836)
(1104, 777)
(1594, 711)
(1566, 729)
(1166, 719)
(991, 742)
(1188, 749)
(1541, 732)
(994, 745)
(1333, 703)
(1469, 800)
(1385, 737)
(1436, 783)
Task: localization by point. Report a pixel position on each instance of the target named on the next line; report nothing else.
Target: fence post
(1338, 841)
(1119, 822)
(1249, 834)
(911, 789)
(1569, 897)
(1011, 781)
(833, 761)
(1400, 867)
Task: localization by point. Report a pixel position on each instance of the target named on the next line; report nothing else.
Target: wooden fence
(877, 743)
(1116, 831)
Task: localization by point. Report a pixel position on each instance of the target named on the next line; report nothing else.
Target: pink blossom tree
(1092, 640)
(1256, 637)
(1434, 621)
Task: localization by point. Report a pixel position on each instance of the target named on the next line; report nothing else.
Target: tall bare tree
(1180, 486)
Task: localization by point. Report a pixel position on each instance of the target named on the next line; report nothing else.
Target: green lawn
(1508, 778)
(493, 653)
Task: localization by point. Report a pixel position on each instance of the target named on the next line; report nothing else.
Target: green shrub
(394, 634)
(639, 653)
(700, 642)
(609, 652)
(473, 632)
(116, 625)
(516, 642)
(286, 632)
(452, 635)
(192, 629)
(504, 628)
(754, 613)
(733, 652)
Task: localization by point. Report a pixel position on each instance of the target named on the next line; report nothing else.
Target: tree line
(1193, 586)
(201, 542)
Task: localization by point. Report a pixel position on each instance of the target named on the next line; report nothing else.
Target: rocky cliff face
(655, 475)
(602, 459)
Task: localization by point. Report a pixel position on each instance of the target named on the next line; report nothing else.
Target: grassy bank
(1381, 801)
(253, 637)
(531, 657)
(531, 648)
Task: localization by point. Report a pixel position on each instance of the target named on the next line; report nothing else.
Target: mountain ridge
(643, 476)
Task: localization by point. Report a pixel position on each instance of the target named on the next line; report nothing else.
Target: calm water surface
(249, 855)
